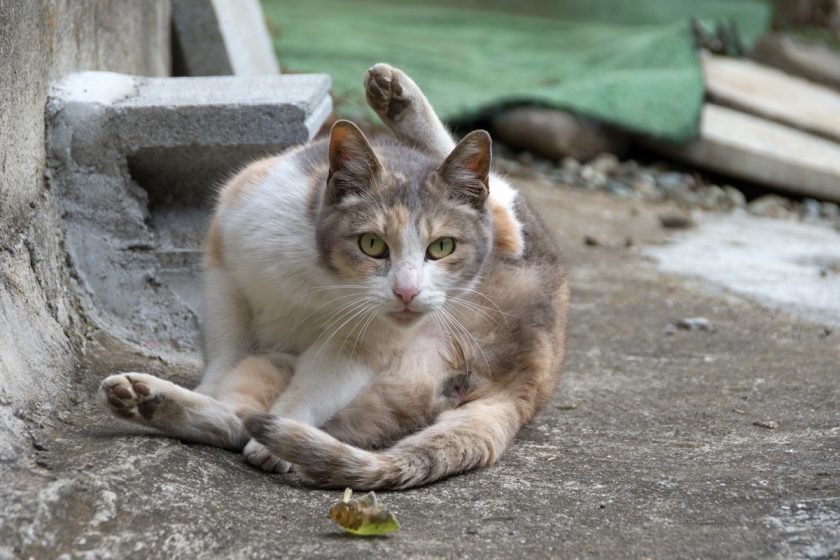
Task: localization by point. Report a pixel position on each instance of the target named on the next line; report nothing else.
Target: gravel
(632, 180)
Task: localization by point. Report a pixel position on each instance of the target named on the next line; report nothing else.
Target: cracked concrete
(135, 162)
(648, 449)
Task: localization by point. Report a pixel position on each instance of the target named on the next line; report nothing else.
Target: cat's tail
(470, 436)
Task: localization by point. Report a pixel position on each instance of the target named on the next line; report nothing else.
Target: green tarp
(625, 62)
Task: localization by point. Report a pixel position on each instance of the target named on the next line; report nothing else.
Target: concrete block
(222, 37)
(135, 162)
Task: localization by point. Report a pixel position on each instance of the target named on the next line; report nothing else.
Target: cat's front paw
(260, 457)
(131, 395)
(388, 90)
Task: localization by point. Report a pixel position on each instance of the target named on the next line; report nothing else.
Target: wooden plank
(770, 93)
(760, 151)
(812, 60)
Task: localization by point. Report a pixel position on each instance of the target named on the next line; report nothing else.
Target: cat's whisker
(337, 316)
(354, 312)
(448, 330)
(344, 311)
(326, 303)
(495, 305)
(473, 307)
(349, 335)
(366, 323)
(464, 330)
(337, 287)
(341, 309)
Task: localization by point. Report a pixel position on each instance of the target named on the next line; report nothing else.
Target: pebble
(604, 164)
(694, 324)
(830, 211)
(676, 221)
(570, 164)
(674, 181)
(645, 186)
(735, 197)
(810, 210)
(770, 206)
(631, 180)
(620, 189)
(769, 424)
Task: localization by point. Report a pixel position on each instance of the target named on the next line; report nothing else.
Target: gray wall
(41, 331)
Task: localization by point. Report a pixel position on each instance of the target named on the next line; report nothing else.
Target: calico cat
(378, 314)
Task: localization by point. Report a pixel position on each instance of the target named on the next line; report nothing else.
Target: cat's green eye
(440, 248)
(373, 246)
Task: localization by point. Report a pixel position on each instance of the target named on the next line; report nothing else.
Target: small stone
(673, 220)
(694, 324)
(571, 165)
(619, 189)
(713, 198)
(670, 329)
(604, 164)
(735, 197)
(830, 211)
(645, 186)
(591, 241)
(769, 424)
(672, 181)
(592, 179)
(770, 206)
(810, 210)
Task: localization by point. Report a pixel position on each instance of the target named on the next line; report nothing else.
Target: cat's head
(404, 232)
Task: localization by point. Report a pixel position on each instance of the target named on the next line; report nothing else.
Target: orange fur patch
(214, 254)
(232, 192)
(254, 384)
(506, 235)
(246, 180)
(399, 218)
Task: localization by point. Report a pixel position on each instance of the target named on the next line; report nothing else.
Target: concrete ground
(656, 445)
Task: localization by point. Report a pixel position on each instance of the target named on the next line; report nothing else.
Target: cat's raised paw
(131, 395)
(388, 90)
(257, 455)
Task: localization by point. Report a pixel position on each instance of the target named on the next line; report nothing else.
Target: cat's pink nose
(406, 293)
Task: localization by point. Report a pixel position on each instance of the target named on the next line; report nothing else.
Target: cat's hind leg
(150, 401)
(404, 109)
(253, 386)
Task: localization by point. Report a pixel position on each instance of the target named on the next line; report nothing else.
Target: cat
(379, 314)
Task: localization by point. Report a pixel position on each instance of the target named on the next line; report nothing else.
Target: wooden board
(770, 93)
(809, 59)
(764, 152)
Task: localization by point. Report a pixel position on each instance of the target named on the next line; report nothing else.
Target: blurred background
(574, 79)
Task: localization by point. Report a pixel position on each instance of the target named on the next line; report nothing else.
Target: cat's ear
(466, 170)
(353, 165)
